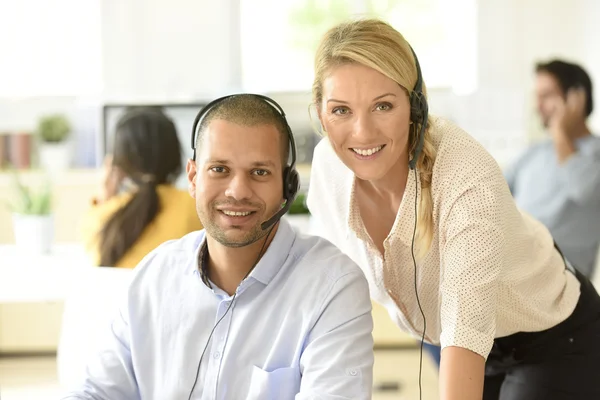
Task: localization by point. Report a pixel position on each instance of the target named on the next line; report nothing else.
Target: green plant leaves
(29, 201)
(54, 128)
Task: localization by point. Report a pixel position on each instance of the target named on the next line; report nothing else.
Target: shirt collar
(267, 267)
(403, 227)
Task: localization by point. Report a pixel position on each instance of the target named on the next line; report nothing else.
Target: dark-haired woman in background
(138, 206)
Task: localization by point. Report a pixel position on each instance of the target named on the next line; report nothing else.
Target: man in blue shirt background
(247, 308)
(557, 181)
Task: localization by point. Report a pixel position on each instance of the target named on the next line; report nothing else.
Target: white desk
(33, 288)
(33, 278)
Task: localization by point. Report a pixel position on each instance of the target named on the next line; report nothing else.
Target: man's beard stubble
(216, 232)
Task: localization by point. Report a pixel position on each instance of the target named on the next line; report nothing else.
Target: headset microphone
(277, 216)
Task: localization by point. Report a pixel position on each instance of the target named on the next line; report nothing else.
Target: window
(50, 48)
(279, 38)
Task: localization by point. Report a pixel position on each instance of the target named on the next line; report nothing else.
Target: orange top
(176, 218)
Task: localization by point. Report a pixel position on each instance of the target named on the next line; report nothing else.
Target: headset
(291, 178)
(419, 113)
(419, 116)
(291, 187)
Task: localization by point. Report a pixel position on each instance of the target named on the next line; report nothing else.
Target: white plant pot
(55, 157)
(33, 233)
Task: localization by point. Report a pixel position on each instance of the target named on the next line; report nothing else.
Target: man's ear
(191, 172)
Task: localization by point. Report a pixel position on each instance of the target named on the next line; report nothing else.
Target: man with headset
(246, 308)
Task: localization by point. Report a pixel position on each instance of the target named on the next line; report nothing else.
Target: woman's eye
(340, 111)
(383, 107)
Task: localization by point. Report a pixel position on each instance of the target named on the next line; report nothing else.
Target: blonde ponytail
(425, 228)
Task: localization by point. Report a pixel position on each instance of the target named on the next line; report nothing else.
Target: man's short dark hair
(568, 76)
(247, 110)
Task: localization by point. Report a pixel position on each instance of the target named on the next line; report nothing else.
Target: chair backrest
(93, 300)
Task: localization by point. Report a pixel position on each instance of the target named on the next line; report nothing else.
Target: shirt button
(217, 355)
(353, 372)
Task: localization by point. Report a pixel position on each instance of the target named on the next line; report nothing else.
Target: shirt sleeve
(472, 249)
(315, 183)
(321, 191)
(317, 225)
(337, 362)
(580, 176)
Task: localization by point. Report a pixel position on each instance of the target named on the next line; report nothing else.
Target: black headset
(419, 115)
(291, 178)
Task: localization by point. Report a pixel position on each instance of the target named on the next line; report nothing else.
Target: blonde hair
(376, 44)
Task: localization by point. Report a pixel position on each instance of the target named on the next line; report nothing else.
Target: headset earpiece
(419, 113)
(291, 184)
(416, 107)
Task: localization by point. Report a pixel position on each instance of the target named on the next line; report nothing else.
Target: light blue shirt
(300, 328)
(565, 198)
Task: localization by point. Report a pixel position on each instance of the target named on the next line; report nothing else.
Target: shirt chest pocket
(279, 384)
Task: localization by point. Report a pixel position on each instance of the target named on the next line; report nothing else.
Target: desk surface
(30, 278)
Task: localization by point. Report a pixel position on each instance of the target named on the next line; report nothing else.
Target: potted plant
(33, 223)
(54, 147)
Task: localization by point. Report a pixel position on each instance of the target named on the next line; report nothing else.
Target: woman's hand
(462, 374)
(112, 176)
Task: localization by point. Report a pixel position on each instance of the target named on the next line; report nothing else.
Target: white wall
(589, 31)
(170, 50)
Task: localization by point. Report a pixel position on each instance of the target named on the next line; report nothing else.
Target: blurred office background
(86, 60)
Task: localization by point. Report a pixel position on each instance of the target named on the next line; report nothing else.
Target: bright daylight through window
(279, 38)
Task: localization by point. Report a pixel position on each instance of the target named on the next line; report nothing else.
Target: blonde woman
(427, 214)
